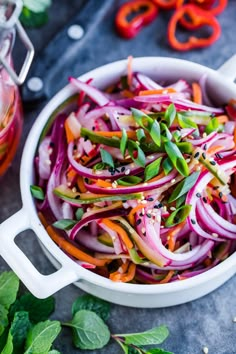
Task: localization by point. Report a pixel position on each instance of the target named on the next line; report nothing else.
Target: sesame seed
(165, 209)
(172, 208)
(173, 180)
(205, 147)
(198, 195)
(158, 206)
(150, 157)
(158, 218)
(48, 162)
(149, 215)
(205, 350)
(188, 160)
(204, 135)
(143, 202)
(212, 162)
(150, 199)
(127, 172)
(122, 169)
(204, 155)
(143, 230)
(114, 185)
(204, 199)
(143, 211)
(214, 234)
(162, 227)
(220, 194)
(98, 172)
(193, 221)
(74, 190)
(127, 157)
(138, 222)
(145, 184)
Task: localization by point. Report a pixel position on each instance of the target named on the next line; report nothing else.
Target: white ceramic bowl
(221, 87)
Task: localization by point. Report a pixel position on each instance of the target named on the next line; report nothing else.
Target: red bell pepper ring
(209, 5)
(198, 18)
(165, 4)
(129, 29)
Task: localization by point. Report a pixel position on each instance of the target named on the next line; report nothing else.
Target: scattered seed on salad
(149, 215)
(138, 222)
(127, 172)
(172, 208)
(220, 195)
(196, 155)
(215, 234)
(198, 195)
(193, 221)
(205, 147)
(204, 135)
(122, 169)
(173, 180)
(204, 155)
(158, 206)
(212, 162)
(143, 230)
(204, 199)
(150, 199)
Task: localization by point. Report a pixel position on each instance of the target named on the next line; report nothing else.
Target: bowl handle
(228, 69)
(38, 284)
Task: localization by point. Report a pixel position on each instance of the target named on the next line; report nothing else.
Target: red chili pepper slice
(165, 4)
(129, 29)
(198, 18)
(209, 5)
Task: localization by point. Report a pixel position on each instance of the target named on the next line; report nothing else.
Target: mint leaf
(8, 349)
(41, 337)
(153, 336)
(9, 285)
(38, 309)
(3, 319)
(158, 351)
(92, 303)
(19, 329)
(89, 330)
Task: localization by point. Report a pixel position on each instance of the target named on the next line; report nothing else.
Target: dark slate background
(204, 322)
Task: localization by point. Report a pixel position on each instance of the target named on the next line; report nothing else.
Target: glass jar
(11, 119)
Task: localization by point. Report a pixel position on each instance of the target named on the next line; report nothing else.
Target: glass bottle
(11, 119)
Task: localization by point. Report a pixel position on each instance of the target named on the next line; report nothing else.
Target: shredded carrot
(85, 159)
(124, 277)
(214, 149)
(71, 174)
(69, 133)
(68, 247)
(157, 92)
(102, 183)
(167, 277)
(127, 94)
(80, 184)
(129, 70)
(197, 93)
(222, 119)
(122, 233)
(172, 234)
(130, 134)
(133, 212)
(161, 175)
(207, 262)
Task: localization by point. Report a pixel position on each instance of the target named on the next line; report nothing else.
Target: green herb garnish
(99, 166)
(107, 158)
(129, 180)
(212, 126)
(37, 192)
(140, 135)
(123, 142)
(170, 114)
(176, 158)
(136, 153)
(64, 224)
(178, 215)
(184, 186)
(152, 169)
(167, 166)
(79, 213)
(187, 122)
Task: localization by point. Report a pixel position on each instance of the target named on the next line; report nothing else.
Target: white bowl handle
(38, 284)
(228, 69)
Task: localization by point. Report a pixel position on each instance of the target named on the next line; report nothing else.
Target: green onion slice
(129, 180)
(64, 224)
(170, 114)
(178, 215)
(37, 192)
(152, 169)
(107, 158)
(136, 153)
(184, 186)
(176, 158)
(123, 142)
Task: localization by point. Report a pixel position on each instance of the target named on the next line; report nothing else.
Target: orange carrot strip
(74, 251)
(171, 236)
(122, 233)
(80, 184)
(69, 134)
(118, 134)
(127, 93)
(133, 212)
(161, 175)
(214, 149)
(68, 247)
(197, 93)
(157, 92)
(130, 274)
(222, 119)
(71, 174)
(129, 70)
(102, 183)
(167, 277)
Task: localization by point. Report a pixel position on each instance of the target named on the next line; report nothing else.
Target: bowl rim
(26, 178)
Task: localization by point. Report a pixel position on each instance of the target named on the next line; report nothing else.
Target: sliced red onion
(142, 187)
(95, 95)
(161, 98)
(191, 199)
(95, 216)
(44, 163)
(67, 211)
(147, 83)
(200, 142)
(130, 169)
(229, 127)
(92, 243)
(180, 86)
(186, 132)
(83, 109)
(119, 247)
